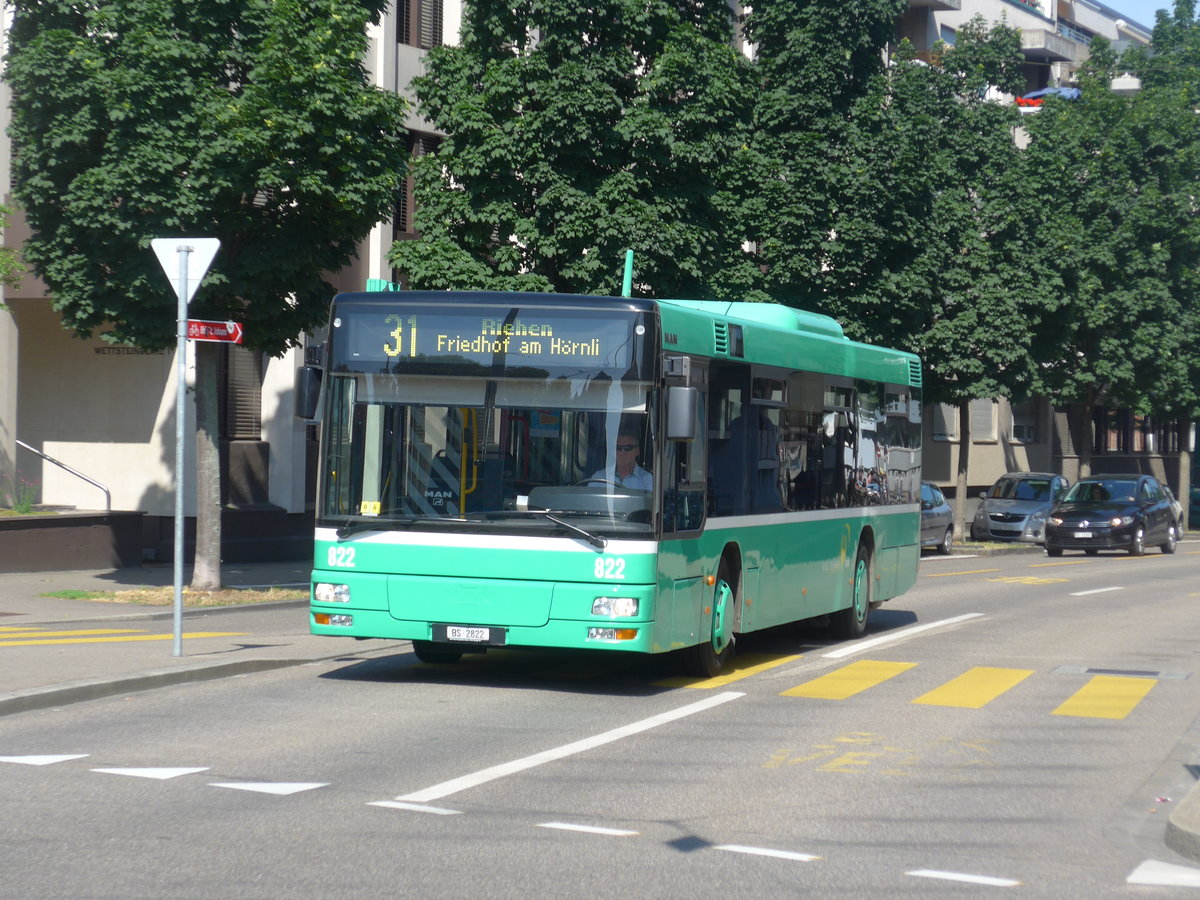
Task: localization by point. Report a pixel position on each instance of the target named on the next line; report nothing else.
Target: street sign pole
(180, 398)
(165, 249)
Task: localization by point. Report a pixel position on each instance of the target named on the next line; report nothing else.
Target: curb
(1183, 826)
(94, 689)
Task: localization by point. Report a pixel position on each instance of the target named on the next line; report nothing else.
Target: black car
(1112, 512)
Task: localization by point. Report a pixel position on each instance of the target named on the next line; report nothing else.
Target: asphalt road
(1014, 723)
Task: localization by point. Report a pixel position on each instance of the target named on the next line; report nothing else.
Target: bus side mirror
(308, 392)
(682, 403)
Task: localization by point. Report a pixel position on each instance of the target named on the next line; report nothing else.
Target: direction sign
(202, 330)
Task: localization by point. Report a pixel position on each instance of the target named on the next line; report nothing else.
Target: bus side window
(683, 495)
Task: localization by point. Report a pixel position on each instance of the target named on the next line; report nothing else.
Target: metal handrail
(65, 467)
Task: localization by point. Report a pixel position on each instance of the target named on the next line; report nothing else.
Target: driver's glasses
(626, 448)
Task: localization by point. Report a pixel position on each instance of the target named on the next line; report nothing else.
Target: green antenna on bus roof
(627, 285)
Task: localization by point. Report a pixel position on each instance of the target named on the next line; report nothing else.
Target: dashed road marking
(848, 680)
(161, 774)
(975, 688)
(740, 667)
(588, 829)
(764, 851)
(988, 880)
(1107, 697)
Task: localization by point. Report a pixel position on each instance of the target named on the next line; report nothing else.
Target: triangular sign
(199, 257)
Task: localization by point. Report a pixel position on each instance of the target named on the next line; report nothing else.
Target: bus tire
(708, 658)
(852, 621)
(429, 652)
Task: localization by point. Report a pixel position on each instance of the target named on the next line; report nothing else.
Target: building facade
(108, 412)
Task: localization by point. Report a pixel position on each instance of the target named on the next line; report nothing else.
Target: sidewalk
(54, 651)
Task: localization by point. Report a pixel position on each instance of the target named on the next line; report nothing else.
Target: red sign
(201, 330)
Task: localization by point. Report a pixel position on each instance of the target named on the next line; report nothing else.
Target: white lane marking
(282, 789)
(763, 851)
(446, 788)
(416, 807)
(1166, 874)
(1096, 591)
(41, 760)
(588, 829)
(860, 646)
(968, 879)
(160, 774)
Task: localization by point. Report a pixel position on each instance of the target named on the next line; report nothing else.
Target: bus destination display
(504, 338)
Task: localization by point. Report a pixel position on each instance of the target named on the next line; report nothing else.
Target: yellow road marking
(972, 572)
(975, 688)
(134, 637)
(1028, 579)
(73, 633)
(848, 680)
(1107, 697)
(1070, 562)
(741, 667)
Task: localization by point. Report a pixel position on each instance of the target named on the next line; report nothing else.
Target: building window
(420, 23)
(1024, 422)
(1112, 430)
(240, 394)
(983, 420)
(945, 422)
(418, 145)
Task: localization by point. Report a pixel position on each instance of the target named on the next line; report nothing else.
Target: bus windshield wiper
(593, 539)
(353, 528)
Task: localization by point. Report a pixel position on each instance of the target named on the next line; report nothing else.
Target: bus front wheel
(709, 657)
(852, 621)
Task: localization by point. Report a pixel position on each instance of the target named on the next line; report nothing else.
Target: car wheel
(948, 542)
(1053, 551)
(1137, 544)
(1172, 539)
(975, 533)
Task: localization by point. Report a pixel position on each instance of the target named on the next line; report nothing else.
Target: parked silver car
(937, 519)
(1016, 507)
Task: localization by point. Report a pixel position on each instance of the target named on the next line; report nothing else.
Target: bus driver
(626, 472)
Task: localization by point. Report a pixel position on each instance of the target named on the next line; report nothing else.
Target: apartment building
(108, 412)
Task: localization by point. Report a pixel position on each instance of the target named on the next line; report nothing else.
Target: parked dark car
(1016, 507)
(937, 519)
(1113, 512)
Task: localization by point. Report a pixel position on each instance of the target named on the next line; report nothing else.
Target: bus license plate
(467, 633)
(1083, 534)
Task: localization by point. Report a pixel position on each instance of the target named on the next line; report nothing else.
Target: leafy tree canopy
(574, 132)
(1119, 177)
(252, 121)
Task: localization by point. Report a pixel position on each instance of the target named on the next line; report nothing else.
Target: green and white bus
(545, 470)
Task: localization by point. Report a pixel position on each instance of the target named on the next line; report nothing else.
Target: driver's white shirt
(639, 479)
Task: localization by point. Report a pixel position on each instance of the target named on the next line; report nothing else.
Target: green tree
(927, 245)
(811, 68)
(10, 262)
(574, 132)
(1119, 177)
(246, 120)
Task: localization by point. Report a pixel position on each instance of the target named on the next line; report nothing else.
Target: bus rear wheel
(707, 659)
(852, 621)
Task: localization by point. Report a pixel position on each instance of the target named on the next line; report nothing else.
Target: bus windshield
(494, 454)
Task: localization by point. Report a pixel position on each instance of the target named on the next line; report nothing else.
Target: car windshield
(1021, 489)
(1102, 491)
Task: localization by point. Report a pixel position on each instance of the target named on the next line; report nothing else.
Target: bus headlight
(338, 621)
(332, 593)
(615, 606)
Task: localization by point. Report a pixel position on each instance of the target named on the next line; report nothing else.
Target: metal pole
(180, 400)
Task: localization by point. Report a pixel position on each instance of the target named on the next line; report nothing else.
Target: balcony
(1044, 46)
